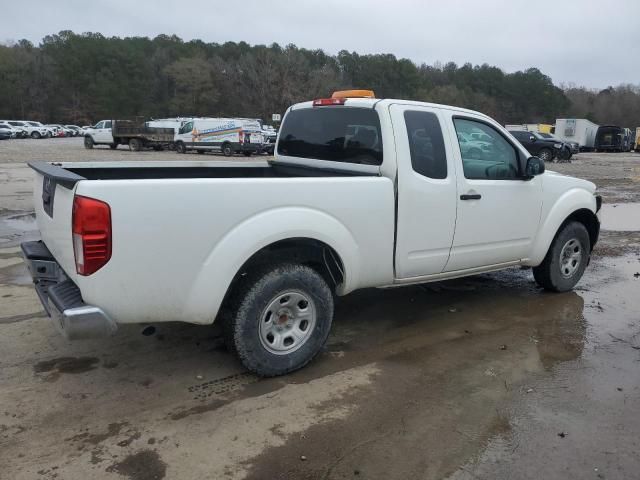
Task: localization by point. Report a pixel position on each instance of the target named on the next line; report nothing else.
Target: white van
(226, 135)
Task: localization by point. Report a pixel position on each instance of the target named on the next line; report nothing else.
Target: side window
(426, 144)
(487, 155)
(99, 125)
(107, 124)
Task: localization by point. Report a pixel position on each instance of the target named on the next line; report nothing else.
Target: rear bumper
(61, 298)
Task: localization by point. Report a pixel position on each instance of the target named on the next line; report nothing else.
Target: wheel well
(589, 220)
(306, 251)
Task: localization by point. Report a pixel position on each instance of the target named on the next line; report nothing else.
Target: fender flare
(229, 254)
(570, 202)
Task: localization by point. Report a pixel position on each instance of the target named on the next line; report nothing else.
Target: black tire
(113, 146)
(200, 151)
(555, 275)
(49, 135)
(247, 154)
(227, 150)
(158, 148)
(253, 304)
(88, 142)
(180, 148)
(36, 135)
(135, 144)
(545, 154)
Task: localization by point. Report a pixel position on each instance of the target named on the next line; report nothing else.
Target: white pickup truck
(362, 193)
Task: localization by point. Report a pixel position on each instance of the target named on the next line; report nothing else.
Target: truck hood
(569, 182)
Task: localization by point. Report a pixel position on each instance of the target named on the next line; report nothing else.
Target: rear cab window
(333, 133)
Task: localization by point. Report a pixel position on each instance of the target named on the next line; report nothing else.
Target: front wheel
(35, 135)
(180, 147)
(282, 320)
(566, 259)
(88, 143)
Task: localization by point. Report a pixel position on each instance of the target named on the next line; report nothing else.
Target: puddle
(17, 227)
(621, 217)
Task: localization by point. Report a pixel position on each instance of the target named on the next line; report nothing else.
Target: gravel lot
(486, 377)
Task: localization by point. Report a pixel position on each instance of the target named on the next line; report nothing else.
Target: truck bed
(182, 230)
(67, 174)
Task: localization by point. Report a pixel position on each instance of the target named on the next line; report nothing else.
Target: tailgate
(53, 194)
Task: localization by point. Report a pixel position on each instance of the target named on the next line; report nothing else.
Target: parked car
(5, 132)
(48, 132)
(568, 148)
(15, 131)
(57, 130)
(20, 131)
(75, 130)
(33, 131)
(537, 145)
(264, 246)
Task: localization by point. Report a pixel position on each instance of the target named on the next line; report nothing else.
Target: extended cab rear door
(426, 213)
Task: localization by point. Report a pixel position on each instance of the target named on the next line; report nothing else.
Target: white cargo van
(226, 135)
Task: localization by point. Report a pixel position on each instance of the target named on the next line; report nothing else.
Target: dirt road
(487, 377)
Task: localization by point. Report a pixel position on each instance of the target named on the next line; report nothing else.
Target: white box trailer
(578, 130)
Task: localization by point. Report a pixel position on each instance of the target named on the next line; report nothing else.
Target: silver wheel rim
(570, 258)
(287, 323)
(545, 155)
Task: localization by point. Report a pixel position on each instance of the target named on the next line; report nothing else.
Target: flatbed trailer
(138, 135)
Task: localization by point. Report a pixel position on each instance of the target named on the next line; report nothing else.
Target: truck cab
(99, 134)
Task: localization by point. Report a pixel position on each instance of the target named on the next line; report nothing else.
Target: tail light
(91, 234)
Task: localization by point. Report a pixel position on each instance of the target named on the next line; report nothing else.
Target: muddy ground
(487, 377)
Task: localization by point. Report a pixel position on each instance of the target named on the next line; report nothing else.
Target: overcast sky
(594, 43)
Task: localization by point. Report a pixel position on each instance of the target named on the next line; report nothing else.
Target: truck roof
(385, 102)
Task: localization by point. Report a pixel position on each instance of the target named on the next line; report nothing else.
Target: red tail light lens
(323, 102)
(91, 234)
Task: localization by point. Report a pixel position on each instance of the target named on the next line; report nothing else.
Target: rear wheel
(88, 143)
(247, 154)
(227, 150)
(545, 154)
(566, 259)
(282, 319)
(135, 144)
(200, 151)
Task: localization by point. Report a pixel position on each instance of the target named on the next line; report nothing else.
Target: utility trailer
(578, 130)
(139, 135)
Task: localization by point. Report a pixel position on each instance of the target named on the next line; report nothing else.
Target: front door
(426, 213)
(498, 211)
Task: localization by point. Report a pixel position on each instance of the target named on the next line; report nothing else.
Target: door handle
(470, 196)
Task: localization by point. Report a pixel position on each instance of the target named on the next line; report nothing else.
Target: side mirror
(532, 138)
(535, 166)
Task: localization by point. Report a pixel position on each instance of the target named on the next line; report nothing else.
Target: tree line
(82, 78)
